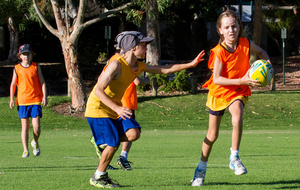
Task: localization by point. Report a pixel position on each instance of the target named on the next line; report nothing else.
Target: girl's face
(229, 29)
(26, 56)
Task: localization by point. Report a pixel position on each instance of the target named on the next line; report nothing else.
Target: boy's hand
(198, 59)
(124, 112)
(45, 101)
(11, 104)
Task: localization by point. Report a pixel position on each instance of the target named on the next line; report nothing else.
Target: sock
(124, 154)
(202, 165)
(234, 154)
(98, 174)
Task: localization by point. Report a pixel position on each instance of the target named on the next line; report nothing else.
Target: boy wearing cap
(29, 80)
(129, 100)
(111, 123)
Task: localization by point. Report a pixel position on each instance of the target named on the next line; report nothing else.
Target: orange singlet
(29, 88)
(235, 65)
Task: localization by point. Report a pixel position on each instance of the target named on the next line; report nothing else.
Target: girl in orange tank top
(228, 88)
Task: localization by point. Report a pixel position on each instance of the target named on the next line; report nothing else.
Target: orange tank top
(129, 99)
(29, 88)
(235, 65)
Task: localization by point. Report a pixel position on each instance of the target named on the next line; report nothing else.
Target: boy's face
(26, 56)
(141, 49)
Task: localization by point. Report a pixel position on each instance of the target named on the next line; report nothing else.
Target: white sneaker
(237, 166)
(25, 154)
(199, 178)
(36, 148)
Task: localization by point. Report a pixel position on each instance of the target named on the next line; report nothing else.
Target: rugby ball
(262, 71)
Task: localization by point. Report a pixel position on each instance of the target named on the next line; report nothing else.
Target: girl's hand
(198, 59)
(246, 80)
(123, 112)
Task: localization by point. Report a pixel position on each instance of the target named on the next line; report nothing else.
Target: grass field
(168, 151)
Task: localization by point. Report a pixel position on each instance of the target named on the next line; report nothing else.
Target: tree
(152, 27)
(15, 15)
(278, 14)
(68, 34)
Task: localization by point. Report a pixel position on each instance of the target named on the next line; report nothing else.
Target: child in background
(110, 122)
(228, 88)
(31, 93)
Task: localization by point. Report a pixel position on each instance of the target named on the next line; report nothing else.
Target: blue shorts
(221, 112)
(30, 111)
(107, 130)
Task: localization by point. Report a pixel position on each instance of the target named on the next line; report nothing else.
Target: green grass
(168, 151)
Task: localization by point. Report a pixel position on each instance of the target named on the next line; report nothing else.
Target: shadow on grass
(48, 168)
(264, 183)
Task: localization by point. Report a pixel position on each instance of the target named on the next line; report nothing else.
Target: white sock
(124, 154)
(98, 174)
(234, 154)
(202, 165)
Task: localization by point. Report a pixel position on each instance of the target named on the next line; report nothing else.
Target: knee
(133, 135)
(211, 138)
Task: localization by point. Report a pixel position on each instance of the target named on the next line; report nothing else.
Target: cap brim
(147, 40)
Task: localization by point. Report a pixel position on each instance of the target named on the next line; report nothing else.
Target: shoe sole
(125, 169)
(237, 173)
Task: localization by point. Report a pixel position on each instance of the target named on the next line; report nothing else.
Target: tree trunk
(256, 38)
(74, 76)
(13, 41)
(152, 27)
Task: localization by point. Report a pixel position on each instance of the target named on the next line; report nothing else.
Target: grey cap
(129, 39)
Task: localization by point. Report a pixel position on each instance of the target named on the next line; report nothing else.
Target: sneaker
(123, 163)
(199, 177)
(36, 148)
(103, 181)
(25, 154)
(99, 149)
(237, 166)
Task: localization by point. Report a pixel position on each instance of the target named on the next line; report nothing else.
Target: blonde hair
(229, 13)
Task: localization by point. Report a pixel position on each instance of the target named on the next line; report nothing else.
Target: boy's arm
(13, 89)
(43, 83)
(167, 69)
(112, 71)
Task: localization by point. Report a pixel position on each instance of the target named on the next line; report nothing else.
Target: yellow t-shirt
(115, 90)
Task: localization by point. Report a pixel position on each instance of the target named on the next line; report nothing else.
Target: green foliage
(180, 83)
(102, 58)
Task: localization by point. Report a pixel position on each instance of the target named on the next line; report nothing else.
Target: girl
(228, 88)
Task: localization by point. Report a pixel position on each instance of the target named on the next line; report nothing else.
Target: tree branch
(43, 19)
(270, 6)
(58, 18)
(104, 15)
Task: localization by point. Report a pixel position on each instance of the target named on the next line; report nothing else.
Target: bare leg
(211, 137)
(106, 157)
(24, 133)
(126, 146)
(36, 128)
(236, 109)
